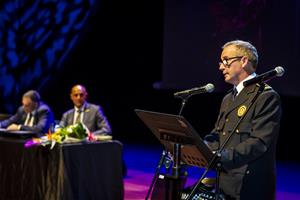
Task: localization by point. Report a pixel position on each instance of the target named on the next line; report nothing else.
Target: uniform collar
(240, 86)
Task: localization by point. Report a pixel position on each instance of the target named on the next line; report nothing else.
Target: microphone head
(209, 87)
(279, 71)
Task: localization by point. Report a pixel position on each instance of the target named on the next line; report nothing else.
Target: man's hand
(14, 127)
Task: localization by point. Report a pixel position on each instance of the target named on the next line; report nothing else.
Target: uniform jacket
(93, 118)
(248, 159)
(43, 118)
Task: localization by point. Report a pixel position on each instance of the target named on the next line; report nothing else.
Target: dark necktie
(78, 116)
(234, 93)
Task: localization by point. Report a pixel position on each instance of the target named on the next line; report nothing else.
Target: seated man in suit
(90, 115)
(33, 115)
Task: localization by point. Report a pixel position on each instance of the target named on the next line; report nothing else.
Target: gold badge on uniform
(242, 110)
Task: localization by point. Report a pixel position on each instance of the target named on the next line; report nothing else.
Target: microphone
(278, 71)
(197, 90)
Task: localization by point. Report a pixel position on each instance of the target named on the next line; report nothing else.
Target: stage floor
(142, 160)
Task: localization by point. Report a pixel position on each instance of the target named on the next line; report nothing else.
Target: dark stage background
(136, 54)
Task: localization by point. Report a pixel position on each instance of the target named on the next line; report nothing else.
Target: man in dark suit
(90, 115)
(248, 159)
(33, 115)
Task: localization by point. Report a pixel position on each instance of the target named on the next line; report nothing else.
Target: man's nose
(221, 67)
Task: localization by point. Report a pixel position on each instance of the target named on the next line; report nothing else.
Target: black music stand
(173, 130)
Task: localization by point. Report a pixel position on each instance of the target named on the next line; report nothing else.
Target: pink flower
(91, 136)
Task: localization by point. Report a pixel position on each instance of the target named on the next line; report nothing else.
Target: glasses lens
(225, 61)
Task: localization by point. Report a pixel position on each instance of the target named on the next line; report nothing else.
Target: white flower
(69, 130)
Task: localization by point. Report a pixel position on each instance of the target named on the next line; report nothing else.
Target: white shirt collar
(240, 86)
(81, 109)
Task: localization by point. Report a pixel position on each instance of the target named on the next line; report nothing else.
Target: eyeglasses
(78, 95)
(226, 63)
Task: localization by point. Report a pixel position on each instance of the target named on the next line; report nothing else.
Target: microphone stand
(176, 169)
(161, 161)
(175, 184)
(216, 157)
(184, 100)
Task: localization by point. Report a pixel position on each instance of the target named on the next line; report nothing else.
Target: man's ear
(247, 65)
(245, 60)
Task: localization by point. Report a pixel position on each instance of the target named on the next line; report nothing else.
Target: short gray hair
(247, 48)
(33, 95)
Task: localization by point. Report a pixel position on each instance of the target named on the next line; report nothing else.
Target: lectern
(180, 139)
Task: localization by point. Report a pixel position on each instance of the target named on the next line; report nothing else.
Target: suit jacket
(43, 118)
(93, 118)
(248, 159)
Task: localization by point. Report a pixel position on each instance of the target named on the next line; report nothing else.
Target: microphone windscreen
(209, 87)
(279, 71)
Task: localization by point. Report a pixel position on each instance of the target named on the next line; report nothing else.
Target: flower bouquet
(73, 133)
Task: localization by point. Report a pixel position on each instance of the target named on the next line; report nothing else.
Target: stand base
(168, 187)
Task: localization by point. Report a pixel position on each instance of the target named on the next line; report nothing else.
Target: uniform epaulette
(267, 87)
